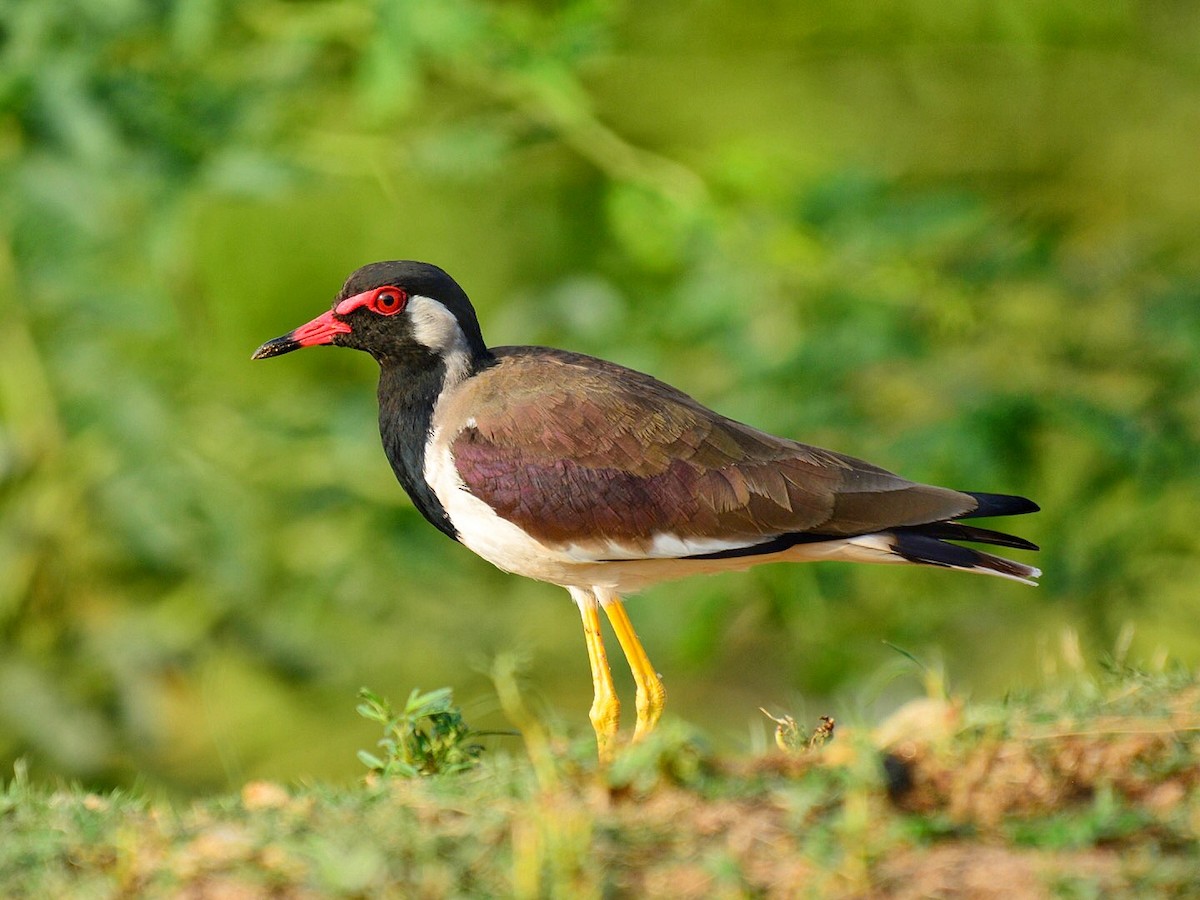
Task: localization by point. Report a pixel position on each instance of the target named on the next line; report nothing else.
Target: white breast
(497, 540)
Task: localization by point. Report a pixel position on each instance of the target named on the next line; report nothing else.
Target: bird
(583, 473)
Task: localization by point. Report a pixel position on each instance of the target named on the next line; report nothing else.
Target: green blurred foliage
(959, 240)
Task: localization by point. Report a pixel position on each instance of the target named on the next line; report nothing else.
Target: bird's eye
(388, 300)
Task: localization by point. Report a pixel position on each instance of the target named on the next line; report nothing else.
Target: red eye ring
(388, 300)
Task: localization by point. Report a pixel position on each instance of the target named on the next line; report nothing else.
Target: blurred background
(960, 240)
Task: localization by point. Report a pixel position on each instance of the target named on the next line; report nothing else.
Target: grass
(1081, 791)
(427, 737)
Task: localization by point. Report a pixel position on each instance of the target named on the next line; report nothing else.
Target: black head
(401, 312)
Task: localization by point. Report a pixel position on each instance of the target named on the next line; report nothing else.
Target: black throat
(407, 395)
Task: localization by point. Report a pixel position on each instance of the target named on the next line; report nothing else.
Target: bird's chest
(501, 542)
(405, 413)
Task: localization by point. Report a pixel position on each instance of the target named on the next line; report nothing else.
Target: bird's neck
(408, 396)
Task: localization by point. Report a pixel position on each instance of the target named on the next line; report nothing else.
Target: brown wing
(579, 451)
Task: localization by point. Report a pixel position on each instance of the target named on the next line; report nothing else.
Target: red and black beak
(321, 330)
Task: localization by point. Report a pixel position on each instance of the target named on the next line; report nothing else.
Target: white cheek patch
(435, 327)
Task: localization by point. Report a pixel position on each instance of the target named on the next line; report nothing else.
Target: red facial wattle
(320, 330)
(383, 301)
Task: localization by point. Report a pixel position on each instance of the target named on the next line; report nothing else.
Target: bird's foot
(651, 698)
(605, 716)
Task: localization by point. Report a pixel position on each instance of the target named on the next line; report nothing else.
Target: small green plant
(427, 737)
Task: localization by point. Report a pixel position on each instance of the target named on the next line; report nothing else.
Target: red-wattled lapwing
(580, 472)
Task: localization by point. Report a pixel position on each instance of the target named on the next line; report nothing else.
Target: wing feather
(582, 452)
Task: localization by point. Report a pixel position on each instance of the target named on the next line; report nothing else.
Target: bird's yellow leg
(606, 707)
(651, 695)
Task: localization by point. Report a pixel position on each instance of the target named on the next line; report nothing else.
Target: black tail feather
(956, 531)
(921, 548)
(999, 505)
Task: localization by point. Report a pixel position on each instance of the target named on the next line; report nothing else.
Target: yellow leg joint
(606, 708)
(651, 695)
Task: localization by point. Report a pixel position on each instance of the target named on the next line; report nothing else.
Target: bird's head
(401, 312)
